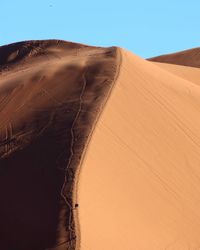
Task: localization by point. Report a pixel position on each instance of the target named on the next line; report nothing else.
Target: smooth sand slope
(139, 187)
(51, 93)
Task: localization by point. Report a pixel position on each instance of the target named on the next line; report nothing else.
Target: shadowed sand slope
(139, 187)
(51, 93)
(189, 57)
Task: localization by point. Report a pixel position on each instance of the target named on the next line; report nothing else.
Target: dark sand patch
(50, 95)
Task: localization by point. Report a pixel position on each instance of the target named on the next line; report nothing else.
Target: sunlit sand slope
(139, 187)
(186, 72)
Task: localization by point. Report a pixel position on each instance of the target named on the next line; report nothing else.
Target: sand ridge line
(71, 156)
(78, 171)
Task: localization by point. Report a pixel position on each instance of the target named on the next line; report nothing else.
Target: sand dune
(189, 57)
(99, 148)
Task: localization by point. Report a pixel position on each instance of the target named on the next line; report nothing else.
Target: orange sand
(139, 186)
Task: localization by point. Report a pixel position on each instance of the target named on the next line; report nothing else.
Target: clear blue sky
(146, 27)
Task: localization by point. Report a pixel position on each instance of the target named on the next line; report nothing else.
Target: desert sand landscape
(99, 148)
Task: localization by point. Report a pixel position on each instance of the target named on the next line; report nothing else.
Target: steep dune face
(189, 57)
(51, 93)
(139, 185)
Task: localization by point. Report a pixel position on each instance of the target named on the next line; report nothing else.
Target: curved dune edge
(60, 88)
(139, 184)
(79, 169)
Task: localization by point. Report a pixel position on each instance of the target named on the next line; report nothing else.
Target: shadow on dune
(51, 93)
(30, 197)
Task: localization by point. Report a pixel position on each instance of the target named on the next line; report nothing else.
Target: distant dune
(189, 57)
(99, 148)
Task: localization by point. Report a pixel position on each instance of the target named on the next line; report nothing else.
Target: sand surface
(191, 74)
(139, 186)
(99, 148)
